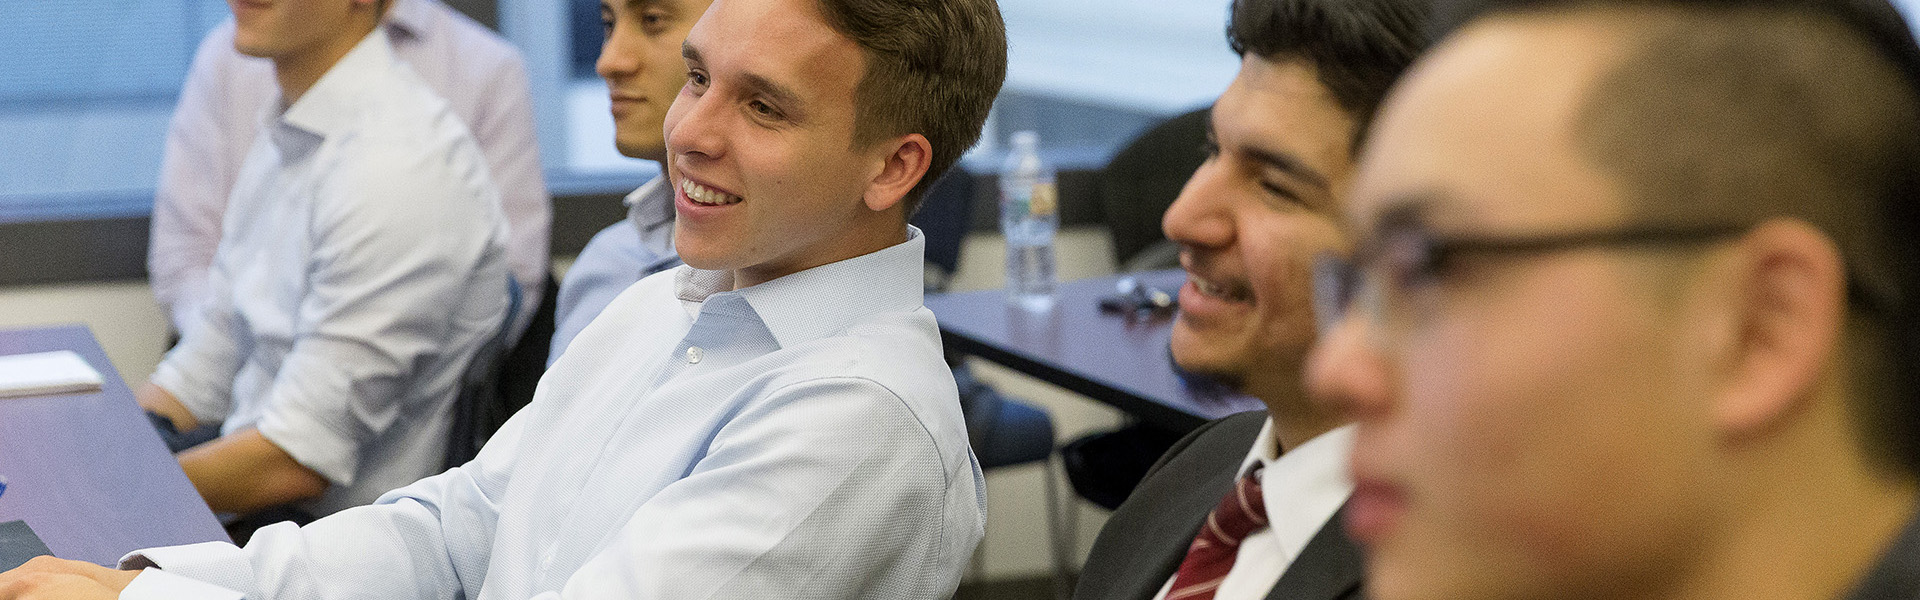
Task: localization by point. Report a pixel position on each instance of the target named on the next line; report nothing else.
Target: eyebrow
(1283, 161)
(756, 83)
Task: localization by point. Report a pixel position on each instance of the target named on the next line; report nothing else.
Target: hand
(159, 401)
(49, 578)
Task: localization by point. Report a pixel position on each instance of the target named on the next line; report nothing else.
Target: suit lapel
(1188, 511)
(1328, 567)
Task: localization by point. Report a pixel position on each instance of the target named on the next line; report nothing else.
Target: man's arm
(385, 310)
(49, 578)
(405, 546)
(829, 488)
(243, 472)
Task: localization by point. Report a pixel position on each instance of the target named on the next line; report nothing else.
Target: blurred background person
(479, 74)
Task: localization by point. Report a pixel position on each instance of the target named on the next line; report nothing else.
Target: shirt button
(693, 355)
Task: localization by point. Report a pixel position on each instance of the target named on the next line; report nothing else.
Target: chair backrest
(1143, 179)
(944, 217)
(478, 394)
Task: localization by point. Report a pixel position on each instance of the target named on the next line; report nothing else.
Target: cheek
(1279, 251)
(1542, 441)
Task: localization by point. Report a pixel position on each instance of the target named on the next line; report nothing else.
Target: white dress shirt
(800, 438)
(361, 269)
(480, 75)
(623, 253)
(1301, 489)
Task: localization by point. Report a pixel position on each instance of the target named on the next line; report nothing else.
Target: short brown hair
(933, 68)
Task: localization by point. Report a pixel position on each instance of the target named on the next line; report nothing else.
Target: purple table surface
(87, 471)
(1118, 360)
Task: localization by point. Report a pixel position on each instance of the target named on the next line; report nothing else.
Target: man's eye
(653, 21)
(697, 78)
(763, 109)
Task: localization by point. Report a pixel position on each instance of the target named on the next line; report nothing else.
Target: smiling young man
(1635, 314)
(772, 420)
(1249, 224)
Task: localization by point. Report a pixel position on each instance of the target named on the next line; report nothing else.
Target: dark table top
(1111, 358)
(87, 471)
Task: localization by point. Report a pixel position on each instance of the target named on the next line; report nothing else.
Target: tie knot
(1241, 513)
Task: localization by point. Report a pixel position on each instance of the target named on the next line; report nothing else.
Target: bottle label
(1045, 201)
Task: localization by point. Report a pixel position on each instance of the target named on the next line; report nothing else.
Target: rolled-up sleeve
(199, 371)
(394, 251)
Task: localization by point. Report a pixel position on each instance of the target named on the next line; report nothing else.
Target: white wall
(123, 316)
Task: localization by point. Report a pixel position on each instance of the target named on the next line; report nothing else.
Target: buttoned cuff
(314, 443)
(155, 584)
(188, 392)
(219, 565)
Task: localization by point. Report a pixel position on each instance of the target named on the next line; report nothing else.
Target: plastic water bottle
(1029, 216)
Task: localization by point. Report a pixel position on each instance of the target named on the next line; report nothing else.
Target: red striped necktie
(1210, 557)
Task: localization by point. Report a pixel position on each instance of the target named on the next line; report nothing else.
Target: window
(85, 98)
(1086, 74)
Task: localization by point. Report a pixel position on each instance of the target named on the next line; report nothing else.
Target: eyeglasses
(1406, 254)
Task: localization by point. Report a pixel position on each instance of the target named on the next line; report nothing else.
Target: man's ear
(1791, 309)
(900, 170)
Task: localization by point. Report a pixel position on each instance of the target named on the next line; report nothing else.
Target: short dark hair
(933, 68)
(1357, 47)
(1761, 109)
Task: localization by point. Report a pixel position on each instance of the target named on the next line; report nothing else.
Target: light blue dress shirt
(796, 439)
(617, 257)
(361, 267)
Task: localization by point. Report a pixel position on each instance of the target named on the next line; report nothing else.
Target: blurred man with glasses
(1631, 315)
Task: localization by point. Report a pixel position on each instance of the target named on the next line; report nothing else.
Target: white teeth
(704, 195)
(1210, 289)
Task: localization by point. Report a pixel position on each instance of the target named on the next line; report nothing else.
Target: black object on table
(1117, 359)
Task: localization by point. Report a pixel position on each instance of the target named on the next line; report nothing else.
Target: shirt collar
(409, 18)
(650, 208)
(824, 300)
(329, 106)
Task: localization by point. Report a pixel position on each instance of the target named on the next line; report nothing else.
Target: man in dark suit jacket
(1250, 223)
(1634, 311)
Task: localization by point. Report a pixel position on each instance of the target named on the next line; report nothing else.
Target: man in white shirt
(362, 268)
(479, 74)
(1250, 223)
(773, 419)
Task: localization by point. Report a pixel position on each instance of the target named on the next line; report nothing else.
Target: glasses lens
(1333, 284)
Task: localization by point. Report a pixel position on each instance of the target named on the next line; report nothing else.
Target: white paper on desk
(44, 373)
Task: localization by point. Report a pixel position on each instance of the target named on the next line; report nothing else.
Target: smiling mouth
(1229, 293)
(706, 196)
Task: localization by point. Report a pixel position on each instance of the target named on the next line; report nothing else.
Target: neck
(1810, 517)
(1296, 420)
(846, 247)
(297, 71)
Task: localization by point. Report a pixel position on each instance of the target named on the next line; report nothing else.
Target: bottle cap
(1025, 140)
